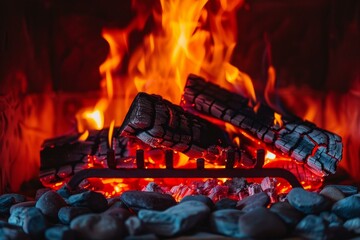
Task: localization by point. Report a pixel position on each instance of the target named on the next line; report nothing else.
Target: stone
(40, 192)
(200, 198)
(67, 214)
(175, 220)
(307, 202)
(118, 213)
(27, 204)
(225, 203)
(348, 190)
(11, 232)
(35, 223)
(337, 232)
(50, 203)
(353, 225)
(137, 200)
(148, 236)
(311, 227)
(256, 200)
(17, 197)
(332, 193)
(89, 199)
(98, 227)
(5, 204)
(261, 223)
(64, 191)
(348, 207)
(226, 222)
(60, 233)
(331, 218)
(134, 226)
(290, 215)
(18, 215)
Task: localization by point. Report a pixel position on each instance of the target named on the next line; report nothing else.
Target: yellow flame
(84, 136)
(95, 119)
(277, 119)
(110, 135)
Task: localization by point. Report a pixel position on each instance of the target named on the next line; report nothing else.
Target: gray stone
(311, 227)
(332, 193)
(137, 200)
(35, 223)
(348, 190)
(249, 203)
(175, 220)
(18, 216)
(134, 226)
(64, 191)
(40, 192)
(149, 236)
(226, 222)
(225, 203)
(348, 207)
(200, 198)
(331, 218)
(290, 215)
(261, 223)
(307, 202)
(18, 197)
(50, 203)
(67, 214)
(89, 199)
(353, 225)
(5, 204)
(60, 233)
(27, 204)
(98, 227)
(11, 232)
(118, 213)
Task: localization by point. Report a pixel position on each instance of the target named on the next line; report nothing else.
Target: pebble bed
(333, 213)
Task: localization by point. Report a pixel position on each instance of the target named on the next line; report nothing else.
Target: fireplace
(71, 74)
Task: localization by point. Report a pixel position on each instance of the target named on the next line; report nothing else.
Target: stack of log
(161, 124)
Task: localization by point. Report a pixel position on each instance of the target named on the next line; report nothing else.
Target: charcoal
(67, 214)
(98, 227)
(153, 187)
(353, 225)
(254, 201)
(50, 203)
(261, 223)
(332, 193)
(89, 199)
(348, 207)
(311, 227)
(307, 202)
(226, 222)
(218, 192)
(225, 203)
(175, 220)
(60, 233)
(159, 123)
(287, 213)
(301, 140)
(137, 200)
(201, 198)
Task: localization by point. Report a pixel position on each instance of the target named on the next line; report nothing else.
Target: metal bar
(181, 173)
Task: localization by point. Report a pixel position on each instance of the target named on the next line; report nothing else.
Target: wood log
(301, 140)
(159, 123)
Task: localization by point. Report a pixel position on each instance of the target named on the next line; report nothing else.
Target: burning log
(160, 123)
(298, 139)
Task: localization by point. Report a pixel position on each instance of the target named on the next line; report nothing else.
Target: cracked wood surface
(303, 141)
(159, 123)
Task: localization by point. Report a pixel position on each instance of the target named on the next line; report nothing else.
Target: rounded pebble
(332, 193)
(67, 214)
(307, 202)
(50, 203)
(348, 207)
(137, 200)
(89, 199)
(226, 222)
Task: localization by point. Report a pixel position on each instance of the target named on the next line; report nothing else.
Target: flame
(84, 136)
(277, 119)
(110, 135)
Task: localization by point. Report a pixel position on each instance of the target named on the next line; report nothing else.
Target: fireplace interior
(179, 119)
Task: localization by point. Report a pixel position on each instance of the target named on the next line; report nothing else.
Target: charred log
(298, 139)
(159, 123)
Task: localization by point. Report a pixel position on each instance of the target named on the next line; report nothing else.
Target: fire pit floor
(333, 213)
